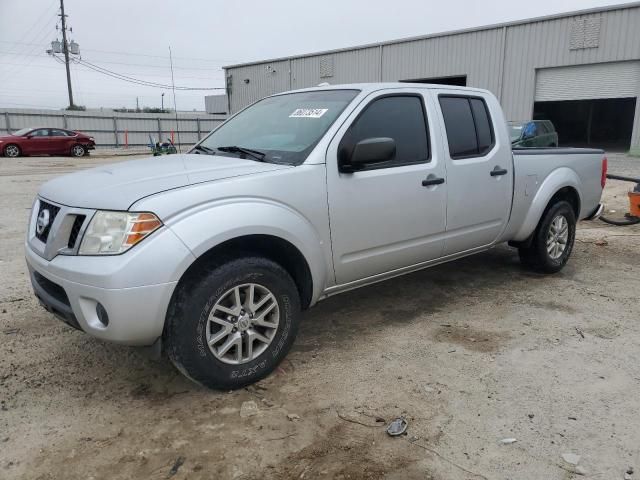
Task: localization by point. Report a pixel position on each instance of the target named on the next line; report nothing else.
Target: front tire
(552, 241)
(78, 151)
(231, 325)
(11, 151)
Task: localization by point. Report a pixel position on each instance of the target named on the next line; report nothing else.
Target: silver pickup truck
(213, 254)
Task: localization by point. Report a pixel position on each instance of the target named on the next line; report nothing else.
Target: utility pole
(65, 47)
(137, 105)
(162, 101)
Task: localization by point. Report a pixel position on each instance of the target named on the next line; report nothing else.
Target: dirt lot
(472, 353)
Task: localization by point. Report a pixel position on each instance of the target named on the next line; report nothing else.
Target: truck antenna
(175, 108)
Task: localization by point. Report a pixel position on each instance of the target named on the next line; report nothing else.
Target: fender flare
(213, 224)
(557, 180)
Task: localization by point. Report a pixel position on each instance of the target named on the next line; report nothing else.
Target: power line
(35, 25)
(41, 35)
(35, 33)
(164, 57)
(219, 61)
(4, 52)
(138, 81)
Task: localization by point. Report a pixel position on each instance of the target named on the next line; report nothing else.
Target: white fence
(113, 129)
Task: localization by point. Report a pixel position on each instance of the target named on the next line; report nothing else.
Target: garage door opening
(459, 81)
(602, 123)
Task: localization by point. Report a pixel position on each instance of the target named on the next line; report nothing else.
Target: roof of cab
(374, 87)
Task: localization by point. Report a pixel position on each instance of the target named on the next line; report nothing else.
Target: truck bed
(580, 168)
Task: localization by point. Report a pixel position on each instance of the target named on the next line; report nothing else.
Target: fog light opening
(102, 314)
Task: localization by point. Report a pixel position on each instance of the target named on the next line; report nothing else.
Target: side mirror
(28, 137)
(369, 152)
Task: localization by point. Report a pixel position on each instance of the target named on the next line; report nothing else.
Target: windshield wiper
(247, 151)
(207, 150)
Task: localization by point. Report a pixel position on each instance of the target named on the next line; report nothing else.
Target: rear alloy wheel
(552, 241)
(77, 151)
(12, 151)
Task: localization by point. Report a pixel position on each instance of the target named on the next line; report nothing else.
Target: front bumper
(134, 289)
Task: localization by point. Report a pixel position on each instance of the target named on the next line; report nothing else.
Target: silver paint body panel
(352, 229)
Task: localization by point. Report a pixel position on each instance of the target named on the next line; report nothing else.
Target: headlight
(110, 233)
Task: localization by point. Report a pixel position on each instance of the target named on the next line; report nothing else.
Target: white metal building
(580, 70)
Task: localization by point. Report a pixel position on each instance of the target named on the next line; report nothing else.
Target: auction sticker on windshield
(309, 113)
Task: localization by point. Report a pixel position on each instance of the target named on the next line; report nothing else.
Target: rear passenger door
(60, 141)
(479, 172)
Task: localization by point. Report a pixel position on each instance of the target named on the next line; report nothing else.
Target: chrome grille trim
(60, 230)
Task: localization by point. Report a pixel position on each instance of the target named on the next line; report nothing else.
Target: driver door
(37, 142)
(390, 215)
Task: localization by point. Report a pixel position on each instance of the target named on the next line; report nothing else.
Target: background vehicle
(50, 141)
(301, 196)
(535, 133)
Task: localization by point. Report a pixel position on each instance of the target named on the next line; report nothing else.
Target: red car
(51, 141)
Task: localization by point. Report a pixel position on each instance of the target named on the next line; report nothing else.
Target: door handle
(429, 182)
(497, 171)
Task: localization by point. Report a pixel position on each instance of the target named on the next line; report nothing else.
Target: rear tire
(220, 306)
(11, 151)
(78, 151)
(552, 241)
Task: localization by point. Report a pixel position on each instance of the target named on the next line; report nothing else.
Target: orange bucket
(634, 202)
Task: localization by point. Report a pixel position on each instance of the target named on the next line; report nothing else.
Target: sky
(132, 38)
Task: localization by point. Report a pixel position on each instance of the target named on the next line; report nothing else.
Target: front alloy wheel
(77, 151)
(231, 324)
(242, 324)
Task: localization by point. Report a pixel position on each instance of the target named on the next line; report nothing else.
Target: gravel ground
(471, 353)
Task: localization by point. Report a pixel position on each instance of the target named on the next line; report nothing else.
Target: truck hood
(119, 185)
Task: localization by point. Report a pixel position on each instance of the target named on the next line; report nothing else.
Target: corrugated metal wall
(253, 82)
(108, 128)
(342, 67)
(478, 55)
(503, 59)
(547, 44)
(216, 104)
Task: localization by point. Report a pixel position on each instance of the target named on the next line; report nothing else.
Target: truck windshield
(515, 131)
(285, 128)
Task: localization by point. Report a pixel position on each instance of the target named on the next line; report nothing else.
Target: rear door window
(468, 125)
(461, 131)
(57, 133)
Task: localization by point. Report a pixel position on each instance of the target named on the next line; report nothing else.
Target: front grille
(53, 289)
(75, 230)
(53, 211)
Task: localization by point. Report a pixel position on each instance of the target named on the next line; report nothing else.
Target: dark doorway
(603, 123)
(459, 81)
